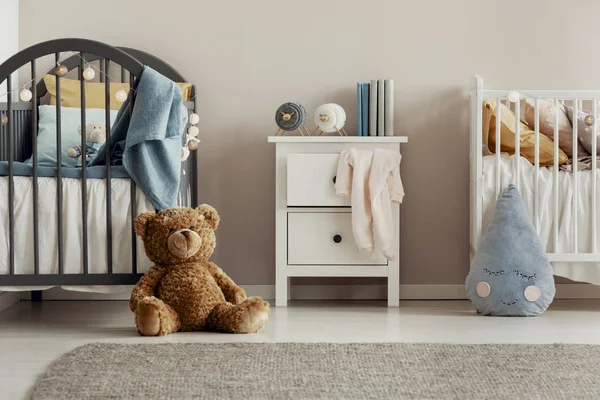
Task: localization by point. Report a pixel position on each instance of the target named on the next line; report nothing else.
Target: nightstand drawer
(310, 181)
(325, 239)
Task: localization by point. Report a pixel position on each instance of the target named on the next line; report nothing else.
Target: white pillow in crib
(70, 121)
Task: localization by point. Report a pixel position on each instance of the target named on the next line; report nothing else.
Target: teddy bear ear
(79, 129)
(141, 222)
(210, 215)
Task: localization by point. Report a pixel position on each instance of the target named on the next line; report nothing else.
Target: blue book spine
(359, 108)
(365, 108)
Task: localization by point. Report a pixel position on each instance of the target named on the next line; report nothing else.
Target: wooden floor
(32, 335)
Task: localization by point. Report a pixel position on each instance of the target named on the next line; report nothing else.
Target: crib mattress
(584, 272)
(71, 216)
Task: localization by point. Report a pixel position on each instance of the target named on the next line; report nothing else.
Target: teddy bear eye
(192, 228)
(171, 230)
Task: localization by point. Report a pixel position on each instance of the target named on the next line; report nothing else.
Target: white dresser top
(338, 139)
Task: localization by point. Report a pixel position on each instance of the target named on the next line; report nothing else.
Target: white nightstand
(313, 225)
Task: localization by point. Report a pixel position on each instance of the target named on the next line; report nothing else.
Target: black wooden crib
(73, 261)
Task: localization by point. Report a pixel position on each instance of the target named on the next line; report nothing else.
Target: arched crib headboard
(18, 141)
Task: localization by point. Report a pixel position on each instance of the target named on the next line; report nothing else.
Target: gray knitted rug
(323, 371)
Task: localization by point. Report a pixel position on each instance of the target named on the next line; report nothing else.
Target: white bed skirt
(583, 272)
(72, 229)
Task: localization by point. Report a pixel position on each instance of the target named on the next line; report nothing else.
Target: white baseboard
(7, 299)
(337, 292)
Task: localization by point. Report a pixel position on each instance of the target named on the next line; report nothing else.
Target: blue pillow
(510, 273)
(70, 120)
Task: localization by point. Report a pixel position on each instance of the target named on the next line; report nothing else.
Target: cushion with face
(510, 273)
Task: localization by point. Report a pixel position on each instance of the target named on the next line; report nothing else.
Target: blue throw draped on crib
(152, 134)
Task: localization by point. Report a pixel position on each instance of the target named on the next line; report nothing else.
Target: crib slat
(101, 66)
(123, 75)
(84, 211)
(132, 193)
(555, 176)
(518, 143)
(59, 194)
(498, 147)
(36, 226)
(107, 146)
(11, 183)
(536, 194)
(594, 176)
(576, 104)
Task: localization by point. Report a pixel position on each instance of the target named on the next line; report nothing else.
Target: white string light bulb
(89, 73)
(4, 120)
(513, 96)
(194, 118)
(25, 95)
(193, 131)
(121, 96)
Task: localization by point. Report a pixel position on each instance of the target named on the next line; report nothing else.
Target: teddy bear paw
(148, 319)
(256, 315)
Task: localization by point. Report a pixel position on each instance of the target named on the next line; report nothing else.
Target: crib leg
(36, 296)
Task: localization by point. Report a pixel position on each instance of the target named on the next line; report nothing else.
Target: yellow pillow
(186, 90)
(70, 95)
(507, 136)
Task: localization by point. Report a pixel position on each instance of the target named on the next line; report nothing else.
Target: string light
(27, 83)
(89, 73)
(193, 131)
(513, 96)
(121, 96)
(61, 70)
(589, 120)
(193, 144)
(25, 95)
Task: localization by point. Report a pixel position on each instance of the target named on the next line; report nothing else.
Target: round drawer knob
(334, 179)
(337, 238)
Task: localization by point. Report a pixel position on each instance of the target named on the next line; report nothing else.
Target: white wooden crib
(563, 205)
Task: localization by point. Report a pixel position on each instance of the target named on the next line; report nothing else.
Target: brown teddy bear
(183, 290)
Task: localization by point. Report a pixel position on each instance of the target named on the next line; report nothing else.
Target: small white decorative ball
(513, 96)
(194, 119)
(4, 120)
(61, 70)
(89, 74)
(589, 120)
(121, 96)
(25, 95)
(193, 131)
(185, 153)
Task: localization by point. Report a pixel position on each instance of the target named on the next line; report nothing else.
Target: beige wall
(247, 57)
(9, 34)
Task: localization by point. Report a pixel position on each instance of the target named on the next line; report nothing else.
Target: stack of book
(375, 102)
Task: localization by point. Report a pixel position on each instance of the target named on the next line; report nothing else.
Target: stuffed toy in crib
(184, 291)
(95, 136)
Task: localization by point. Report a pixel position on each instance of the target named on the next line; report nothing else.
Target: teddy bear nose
(188, 234)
